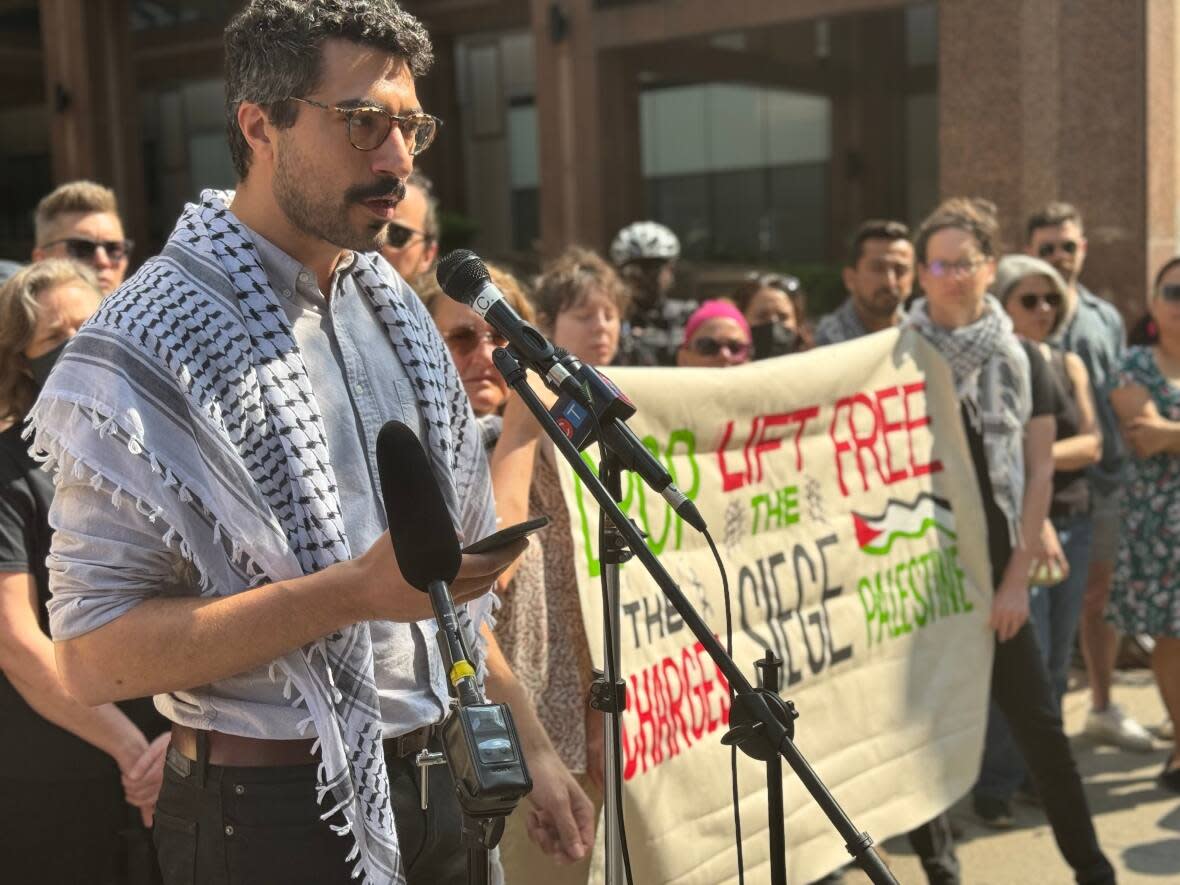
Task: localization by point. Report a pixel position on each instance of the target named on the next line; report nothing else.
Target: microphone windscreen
(462, 275)
(424, 539)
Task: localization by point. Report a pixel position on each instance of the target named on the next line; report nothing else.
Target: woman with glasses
(580, 302)
(716, 335)
(1145, 597)
(775, 306)
(88, 770)
(1033, 293)
(472, 341)
(1006, 394)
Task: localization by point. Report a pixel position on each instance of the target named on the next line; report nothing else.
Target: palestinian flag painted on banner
(876, 534)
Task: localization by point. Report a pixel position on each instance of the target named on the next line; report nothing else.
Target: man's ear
(255, 125)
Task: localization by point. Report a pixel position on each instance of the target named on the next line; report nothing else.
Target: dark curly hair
(972, 215)
(273, 53)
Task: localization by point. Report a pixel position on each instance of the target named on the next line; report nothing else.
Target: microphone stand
(764, 719)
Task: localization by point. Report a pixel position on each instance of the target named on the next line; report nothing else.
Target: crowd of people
(211, 431)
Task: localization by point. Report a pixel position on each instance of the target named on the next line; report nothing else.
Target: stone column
(1072, 100)
(570, 125)
(90, 87)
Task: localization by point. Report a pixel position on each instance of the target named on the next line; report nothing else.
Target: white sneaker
(1113, 726)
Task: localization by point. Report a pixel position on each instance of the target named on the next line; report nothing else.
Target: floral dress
(1145, 597)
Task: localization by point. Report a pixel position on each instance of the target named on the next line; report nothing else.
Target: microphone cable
(733, 751)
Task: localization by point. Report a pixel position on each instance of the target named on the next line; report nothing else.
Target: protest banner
(841, 493)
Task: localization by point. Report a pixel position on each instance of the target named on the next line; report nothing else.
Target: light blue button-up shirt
(117, 558)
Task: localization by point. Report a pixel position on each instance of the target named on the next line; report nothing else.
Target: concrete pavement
(1138, 823)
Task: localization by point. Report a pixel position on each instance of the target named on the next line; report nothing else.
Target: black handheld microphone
(479, 739)
(463, 276)
(424, 541)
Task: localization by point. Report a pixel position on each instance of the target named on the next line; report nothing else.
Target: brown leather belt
(244, 752)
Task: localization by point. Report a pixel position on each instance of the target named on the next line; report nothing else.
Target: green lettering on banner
(635, 498)
(895, 606)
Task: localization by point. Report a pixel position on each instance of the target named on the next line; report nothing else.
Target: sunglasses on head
(1170, 292)
(83, 249)
(1031, 300)
(707, 346)
(399, 235)
(1069, 247)
(464, 340)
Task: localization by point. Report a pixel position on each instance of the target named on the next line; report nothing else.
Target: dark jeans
(934, 843)
(1021, 689)
(74, 832)
(217, 825)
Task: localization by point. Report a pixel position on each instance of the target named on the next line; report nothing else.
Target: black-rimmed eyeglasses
(368, 127)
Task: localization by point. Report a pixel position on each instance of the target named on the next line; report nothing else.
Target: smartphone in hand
(504, 537)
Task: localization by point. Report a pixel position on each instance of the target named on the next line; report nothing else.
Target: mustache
(383, 189)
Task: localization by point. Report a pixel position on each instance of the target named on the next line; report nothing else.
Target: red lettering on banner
(729, 481)
(655, 728)
(865, 443)
(759, 443)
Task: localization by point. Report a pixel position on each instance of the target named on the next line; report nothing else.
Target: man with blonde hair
(80, 220)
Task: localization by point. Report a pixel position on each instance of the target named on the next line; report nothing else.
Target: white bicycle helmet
(644, 239)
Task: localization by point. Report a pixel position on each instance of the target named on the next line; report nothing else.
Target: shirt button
(240, 789)
(287, 293)
(229, 831)
(303, 277)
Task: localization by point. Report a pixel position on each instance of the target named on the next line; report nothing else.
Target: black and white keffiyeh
(187, 397)
(991, 373)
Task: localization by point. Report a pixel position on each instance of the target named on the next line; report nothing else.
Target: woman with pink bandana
(716, 335)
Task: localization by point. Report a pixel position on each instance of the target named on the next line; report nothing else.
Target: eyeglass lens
(85, 250)
(712, 346)
(466, 339)
(1069, 247)
(1031, 300)
(368, 128)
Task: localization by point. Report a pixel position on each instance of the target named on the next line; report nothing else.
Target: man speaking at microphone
(220, 534)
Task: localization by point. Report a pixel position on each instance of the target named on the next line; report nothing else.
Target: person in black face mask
(775, 306)
(77, 783)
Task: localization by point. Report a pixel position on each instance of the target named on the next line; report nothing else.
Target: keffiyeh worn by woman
(991, 375)
(187, 397)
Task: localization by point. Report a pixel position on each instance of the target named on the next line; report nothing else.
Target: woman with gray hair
(60, 760)
(1033, 295)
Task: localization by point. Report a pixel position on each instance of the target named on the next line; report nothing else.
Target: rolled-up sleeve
(104, 560)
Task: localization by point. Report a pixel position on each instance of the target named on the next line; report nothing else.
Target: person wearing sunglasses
(775, 307)
(716, 335)
(1007, 400)
(1033, 293)
(1093, 329)
(471, 342)
(80, 220)
(412, 241)
(1145, 597)
(220, 536)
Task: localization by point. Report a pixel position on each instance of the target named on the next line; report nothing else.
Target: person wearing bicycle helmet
(645, 252)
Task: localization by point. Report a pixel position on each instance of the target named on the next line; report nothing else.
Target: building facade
(762, 131)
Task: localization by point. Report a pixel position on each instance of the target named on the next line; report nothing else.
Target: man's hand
(384, 594)
(562, 818)
(1010, 607)
(141, 782)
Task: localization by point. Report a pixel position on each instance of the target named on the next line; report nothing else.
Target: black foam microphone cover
(424, 539)
(462, 275)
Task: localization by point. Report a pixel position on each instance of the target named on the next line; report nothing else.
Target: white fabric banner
(840, 490)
